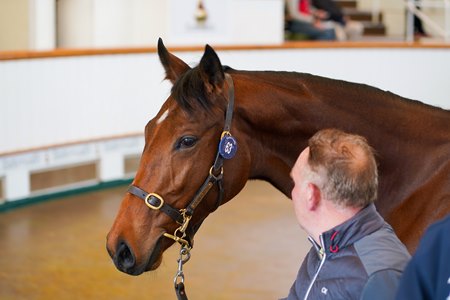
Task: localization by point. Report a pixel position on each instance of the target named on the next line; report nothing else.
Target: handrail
(32, 54)
(411, 6)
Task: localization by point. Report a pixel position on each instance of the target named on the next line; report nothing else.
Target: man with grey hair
(355, 253)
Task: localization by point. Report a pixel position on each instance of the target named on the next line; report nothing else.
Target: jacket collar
(365, 222)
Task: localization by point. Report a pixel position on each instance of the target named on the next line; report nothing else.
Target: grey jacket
(360, 259)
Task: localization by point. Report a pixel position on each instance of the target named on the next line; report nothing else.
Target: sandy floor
(251, 248)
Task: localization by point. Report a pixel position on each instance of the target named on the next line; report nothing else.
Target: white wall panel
(59, 100)
(56, 101)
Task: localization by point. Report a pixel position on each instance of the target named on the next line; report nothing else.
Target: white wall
(27, 24)
(52, 101)
(13, 24)
(111, 23)
(129, 23)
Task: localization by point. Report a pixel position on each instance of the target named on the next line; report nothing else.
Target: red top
(303, 7)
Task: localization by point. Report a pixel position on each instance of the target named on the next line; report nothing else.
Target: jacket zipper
(318, 270)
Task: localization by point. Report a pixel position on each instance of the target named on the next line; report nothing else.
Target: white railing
(412, 9)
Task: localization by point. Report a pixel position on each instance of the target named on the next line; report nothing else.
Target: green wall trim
(8, 205)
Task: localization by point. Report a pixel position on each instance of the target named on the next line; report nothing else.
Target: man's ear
(314, 196)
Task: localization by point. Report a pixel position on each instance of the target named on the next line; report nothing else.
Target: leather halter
(183, 216)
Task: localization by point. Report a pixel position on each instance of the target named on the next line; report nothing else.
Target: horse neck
(285, 109)
(275, 127)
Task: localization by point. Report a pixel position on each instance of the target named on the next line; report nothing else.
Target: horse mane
(190, 93)
(372, 92)
(375, 93)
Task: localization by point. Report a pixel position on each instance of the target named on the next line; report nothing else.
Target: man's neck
(331, 216)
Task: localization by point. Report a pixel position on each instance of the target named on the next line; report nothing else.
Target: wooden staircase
(370, 28)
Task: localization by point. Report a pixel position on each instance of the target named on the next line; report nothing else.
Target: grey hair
(346, 165)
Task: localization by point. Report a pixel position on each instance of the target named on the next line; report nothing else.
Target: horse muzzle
(127, 261)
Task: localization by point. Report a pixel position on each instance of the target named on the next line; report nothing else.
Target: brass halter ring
(224, 133)
(180, 239)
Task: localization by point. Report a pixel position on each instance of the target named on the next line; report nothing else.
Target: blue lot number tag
(227, 146)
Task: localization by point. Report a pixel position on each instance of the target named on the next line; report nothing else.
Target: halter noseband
(183, 216)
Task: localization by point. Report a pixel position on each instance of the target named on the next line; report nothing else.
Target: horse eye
(186, 142)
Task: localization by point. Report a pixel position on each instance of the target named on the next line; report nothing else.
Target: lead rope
(178, 280)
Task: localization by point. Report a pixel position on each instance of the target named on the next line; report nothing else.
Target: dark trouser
(310, 31)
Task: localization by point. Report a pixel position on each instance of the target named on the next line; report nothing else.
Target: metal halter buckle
(155, 207)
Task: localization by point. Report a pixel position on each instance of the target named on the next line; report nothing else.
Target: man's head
(338, 168)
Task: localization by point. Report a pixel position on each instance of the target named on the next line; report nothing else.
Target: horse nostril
(124, 258)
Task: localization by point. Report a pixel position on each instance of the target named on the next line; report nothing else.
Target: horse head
(180, 156)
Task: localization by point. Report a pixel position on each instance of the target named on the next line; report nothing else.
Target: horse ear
(174, 66)
(211, 70)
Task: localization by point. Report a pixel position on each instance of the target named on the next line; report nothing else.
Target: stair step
(361, 15)
(346, 3)
(374, 28)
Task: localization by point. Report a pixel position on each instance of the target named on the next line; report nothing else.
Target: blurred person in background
(302, 20)
(346, 29)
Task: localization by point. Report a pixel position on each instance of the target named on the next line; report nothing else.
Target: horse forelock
(189, 92)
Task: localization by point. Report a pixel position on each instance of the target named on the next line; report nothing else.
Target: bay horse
(273, 115)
